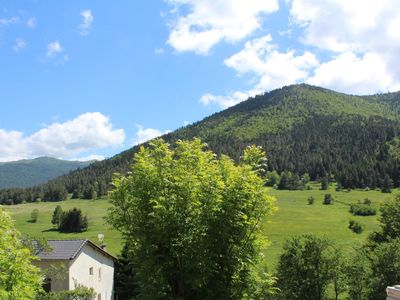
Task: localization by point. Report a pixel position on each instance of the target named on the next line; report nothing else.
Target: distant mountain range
(303, 128)
(30, 172)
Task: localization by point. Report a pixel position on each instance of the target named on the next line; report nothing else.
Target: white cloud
(19, 45)
(270, 67)
(31, 22)
(87, 20)
(9, 21)
(354, 74)
(209, 22)
(54, 48)
(146, 134)
(90, 157)
(227, 100)
(86, 132)
(362, 37)
(56, 53)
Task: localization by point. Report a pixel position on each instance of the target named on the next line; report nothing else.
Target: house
(69, 263)
(393, 292)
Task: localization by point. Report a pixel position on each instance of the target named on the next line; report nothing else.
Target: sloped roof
(68, 249)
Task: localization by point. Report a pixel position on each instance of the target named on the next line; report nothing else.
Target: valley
(293, 217)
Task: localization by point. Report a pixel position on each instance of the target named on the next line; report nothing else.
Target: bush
(367, 201)
(73, 221)
(79, 293)
(356, 226)
(362, 210)
(310, 200)
(34, 215)
(55, 220)
(328, 199)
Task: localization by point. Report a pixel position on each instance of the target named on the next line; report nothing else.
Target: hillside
(304, 129)
(30, 172)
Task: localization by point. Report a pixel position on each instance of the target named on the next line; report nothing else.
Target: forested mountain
(304, 129)
(30, 172)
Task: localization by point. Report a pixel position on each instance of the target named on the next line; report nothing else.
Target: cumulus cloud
(146, 134)
(366, 74)
(19, 45)
(86, 132)
(55, 52)
(362, 37)
(54, 48)
(209, 22)
(270, 67)
(87, 20)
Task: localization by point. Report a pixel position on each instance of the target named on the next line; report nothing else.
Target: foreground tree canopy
(19, 279)
(191, 221)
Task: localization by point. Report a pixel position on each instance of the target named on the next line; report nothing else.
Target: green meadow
(293, 217)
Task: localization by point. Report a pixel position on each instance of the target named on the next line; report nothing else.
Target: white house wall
(80, 267)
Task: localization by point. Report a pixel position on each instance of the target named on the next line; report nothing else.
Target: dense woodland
(353, 140)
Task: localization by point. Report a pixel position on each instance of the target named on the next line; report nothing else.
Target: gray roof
(67, 249)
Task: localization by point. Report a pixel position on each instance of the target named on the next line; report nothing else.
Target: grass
(294, 217)
(94, 209)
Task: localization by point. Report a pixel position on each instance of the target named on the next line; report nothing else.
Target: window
(99, 297)
(91, 271)
(99, 274)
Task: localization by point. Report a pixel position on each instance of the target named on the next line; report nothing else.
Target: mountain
(303, 128)
(30, 172)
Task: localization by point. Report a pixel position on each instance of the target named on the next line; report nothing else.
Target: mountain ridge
(29, 172)
(303, 128)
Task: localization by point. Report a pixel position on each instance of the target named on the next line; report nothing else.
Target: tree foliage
(192, 221)
(306, 267)
(73, 220)
(19, 279)
(57, 213)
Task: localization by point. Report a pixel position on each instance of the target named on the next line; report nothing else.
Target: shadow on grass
(30, 221)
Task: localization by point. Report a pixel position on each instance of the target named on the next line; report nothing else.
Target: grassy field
(294, 217)
(95, 210)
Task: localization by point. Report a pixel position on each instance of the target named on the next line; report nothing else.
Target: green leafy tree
(125, 282)
(55, 220)
(328, 199)
(19, 279)
(34, 215)
(324, 183)
(192, 221)
(73, 220)
(358, 275)
(385, 267)
(305, 268)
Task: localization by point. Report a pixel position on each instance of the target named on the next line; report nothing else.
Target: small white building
(77, 262)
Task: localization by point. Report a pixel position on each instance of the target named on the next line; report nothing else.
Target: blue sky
(82, 79)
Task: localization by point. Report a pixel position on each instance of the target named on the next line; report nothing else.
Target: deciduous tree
(192, 221)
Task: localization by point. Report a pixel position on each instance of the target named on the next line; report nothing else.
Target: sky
(89, 79)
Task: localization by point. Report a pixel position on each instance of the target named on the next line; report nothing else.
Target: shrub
(73, 221)
(310, 200)
(362, 210)
(356, 226)
(328, 199)
(55, 220)
(34, 215)
(367, 201)
(79, 293)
